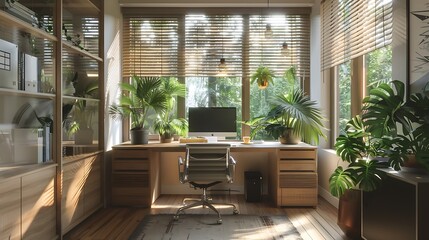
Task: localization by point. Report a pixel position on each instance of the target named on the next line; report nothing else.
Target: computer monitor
(220, 122)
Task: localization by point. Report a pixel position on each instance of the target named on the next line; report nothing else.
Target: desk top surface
(236, 146)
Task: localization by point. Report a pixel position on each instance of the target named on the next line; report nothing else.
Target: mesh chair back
(208, 162)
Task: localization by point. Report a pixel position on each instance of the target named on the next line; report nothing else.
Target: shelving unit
(40, 117)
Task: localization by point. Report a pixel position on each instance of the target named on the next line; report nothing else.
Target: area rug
(199, 227)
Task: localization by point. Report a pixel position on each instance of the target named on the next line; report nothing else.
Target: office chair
(204, 166)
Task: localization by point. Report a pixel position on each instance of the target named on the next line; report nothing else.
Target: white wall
(112, 68)
(319, 92)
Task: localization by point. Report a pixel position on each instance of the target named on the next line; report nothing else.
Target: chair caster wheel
(219, 221)
(235, 212)
(176, 217)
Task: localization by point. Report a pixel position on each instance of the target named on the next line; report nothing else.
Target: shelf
(81, 98)
(27, 94)
(81, 7)
(18, 24)
(81, 52)
(69, 159)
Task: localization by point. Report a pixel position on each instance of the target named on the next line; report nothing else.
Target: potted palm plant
(166, 123)
(262, 76)
(293, 116)
(142, 95)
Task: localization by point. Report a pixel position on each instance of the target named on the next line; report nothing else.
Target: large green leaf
(368, 174)
(341, 180)
(351, 145)
(142, 94)
(384, 107)
(300, 113)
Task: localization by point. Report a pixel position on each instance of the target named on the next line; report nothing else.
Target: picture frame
(419, 46)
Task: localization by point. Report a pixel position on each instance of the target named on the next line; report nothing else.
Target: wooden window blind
(353, 28)
(208, 38)
(294, 30)
(150, 46)
(192, 44)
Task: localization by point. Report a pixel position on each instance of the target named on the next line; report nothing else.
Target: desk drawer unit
(297, 177)
(131, 177)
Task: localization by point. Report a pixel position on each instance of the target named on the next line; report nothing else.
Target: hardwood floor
(119, 223)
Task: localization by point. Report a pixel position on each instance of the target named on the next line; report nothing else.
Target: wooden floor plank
(294, 218)
(119, 223)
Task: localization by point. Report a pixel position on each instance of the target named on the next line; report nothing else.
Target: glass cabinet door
(27, 81)
(80, 77)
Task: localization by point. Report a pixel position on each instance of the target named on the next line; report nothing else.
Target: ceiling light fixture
(285, 49)
(268, 29)
(222, 68)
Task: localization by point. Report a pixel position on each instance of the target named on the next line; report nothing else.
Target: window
(378, 66)
(293, 30)
(208, 38)
(356, 53)
(190, 47)
(345, 95)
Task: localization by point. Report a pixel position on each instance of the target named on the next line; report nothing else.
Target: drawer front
(298, 197)
(297, 154)
(130, 165)
(298, 180)
(130, 154)
(130, 180)
(297, 165)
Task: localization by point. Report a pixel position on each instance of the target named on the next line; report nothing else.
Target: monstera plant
(359, 149)
(402, 123)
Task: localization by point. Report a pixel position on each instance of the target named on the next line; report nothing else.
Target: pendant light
(285, 49)
(222, 68)
(268, 29)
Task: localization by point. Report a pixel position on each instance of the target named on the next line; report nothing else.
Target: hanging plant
(262, 76)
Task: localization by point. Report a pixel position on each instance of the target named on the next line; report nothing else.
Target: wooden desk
(292, 178)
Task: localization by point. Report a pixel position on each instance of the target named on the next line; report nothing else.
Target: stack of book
(18, 10)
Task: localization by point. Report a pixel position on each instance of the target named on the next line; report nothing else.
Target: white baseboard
(328, 197)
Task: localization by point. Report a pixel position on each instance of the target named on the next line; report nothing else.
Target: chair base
(204, 202)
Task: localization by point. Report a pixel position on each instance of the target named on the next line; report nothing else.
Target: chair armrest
(182, 169)
(231, 169)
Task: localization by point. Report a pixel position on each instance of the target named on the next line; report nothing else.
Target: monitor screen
(213, 121)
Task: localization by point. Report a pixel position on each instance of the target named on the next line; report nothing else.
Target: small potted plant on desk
(166, 124)
(143, 94)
